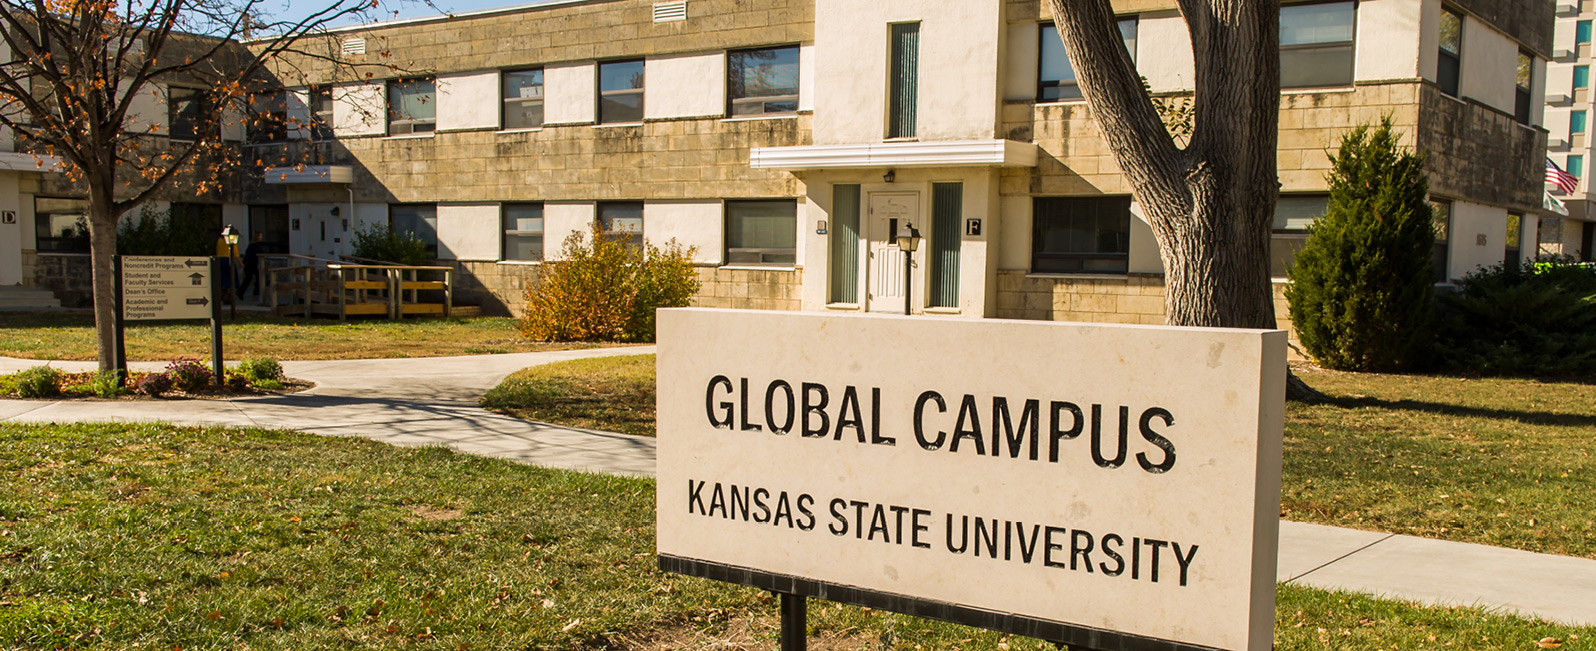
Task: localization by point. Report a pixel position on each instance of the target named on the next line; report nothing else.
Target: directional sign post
(173, 288)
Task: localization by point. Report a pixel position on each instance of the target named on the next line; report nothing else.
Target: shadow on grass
(1445, 409)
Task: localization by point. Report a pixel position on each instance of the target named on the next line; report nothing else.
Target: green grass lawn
(1494, 461)
(157, 537)
(614, 394)
(70, 336)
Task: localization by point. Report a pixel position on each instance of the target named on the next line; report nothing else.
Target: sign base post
(794, 622)
(218, 367)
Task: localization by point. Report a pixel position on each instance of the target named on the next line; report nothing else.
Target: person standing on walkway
(252, 265)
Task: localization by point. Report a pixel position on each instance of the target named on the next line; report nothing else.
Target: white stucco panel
(1429, 37)
(1163, 52)
(147, 109)
(360, 110)
(570, 94)
(1020, 64)
(698, 224)
(562, 219)
(468, 231)
(806, 77)
(1471, 222)
(468, 101)
(1489, 66)
(298, 104)
(1388, 40)
(1014, 235)
(1558, 80)
(958, 68)
(11, 234)
(1144, 252)
(685, 86)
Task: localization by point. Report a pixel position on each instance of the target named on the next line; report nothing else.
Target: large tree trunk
(102, 252)
(1211, 205)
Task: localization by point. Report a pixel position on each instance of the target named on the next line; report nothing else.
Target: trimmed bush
(154, 385)
(1538, 320)
(107, 384)
(1360, 296)
(258, 369)
(604, 290)
(39, 382)
(380, 242)
(189, 374)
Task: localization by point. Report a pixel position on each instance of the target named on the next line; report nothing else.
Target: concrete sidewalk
(433, 401)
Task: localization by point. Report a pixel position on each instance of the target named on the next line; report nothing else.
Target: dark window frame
(1523, 107)
(1351, 45)
(506, 232)
(407, 125)
(764, 101)
(433, 248)
(1042, 86)
(1441, 255)
(903, 89)
(505, 101)
(784, 257)
(1293, 239)
(1449, 65)
(1513, 239)
(605, 223)
(639, 91)
(321, 121)
(193, 124)
(53, 244)
(1076, 262)
(268, 119)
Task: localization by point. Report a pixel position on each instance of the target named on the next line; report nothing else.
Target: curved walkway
(414, 401)
(433, 401)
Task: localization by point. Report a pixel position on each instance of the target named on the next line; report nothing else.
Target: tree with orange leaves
(78, 71)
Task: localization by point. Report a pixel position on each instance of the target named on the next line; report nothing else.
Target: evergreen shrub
(1535, 320)
(1362, 285)
(38, 382)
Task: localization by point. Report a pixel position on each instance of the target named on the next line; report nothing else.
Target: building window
(1443, 231)
(1515, 226)
(1293, 216)
(412, 106)
(622, 221)
(61, 225)
(1521, 87)
(1581, 32)
(1080, 235)
(1449, 65)
(764, 81)
(1316, 45)
(1581, 77)
(321, 113)
(270, 224)
(188, 110)
(620, 92)
(904, 101)
(419, 221)
(1576, 121)
(523, 98)
(268, 119)
(523, 231)
(844, 237)
(762, 232)
(1575, 166)
(947, 221)
(1055, 77)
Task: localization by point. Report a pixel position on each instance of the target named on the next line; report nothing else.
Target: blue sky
(387, 10)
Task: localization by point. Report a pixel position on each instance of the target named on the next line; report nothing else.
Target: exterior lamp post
(908, 241)
(230, 236)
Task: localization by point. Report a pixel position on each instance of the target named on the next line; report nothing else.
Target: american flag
(1563, 180)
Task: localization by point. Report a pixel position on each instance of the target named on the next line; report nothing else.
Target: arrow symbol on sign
(196, 263)
(199, 301)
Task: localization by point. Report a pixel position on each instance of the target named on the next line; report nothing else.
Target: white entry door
(324, 232)
(885, 274)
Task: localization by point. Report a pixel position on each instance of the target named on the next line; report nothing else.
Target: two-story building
(785, 140)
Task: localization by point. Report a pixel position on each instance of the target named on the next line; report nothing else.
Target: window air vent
(354, 46)
(665, 12)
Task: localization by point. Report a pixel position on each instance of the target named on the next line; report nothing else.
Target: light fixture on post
(230, 236)
(908, 241)
(890, 176)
